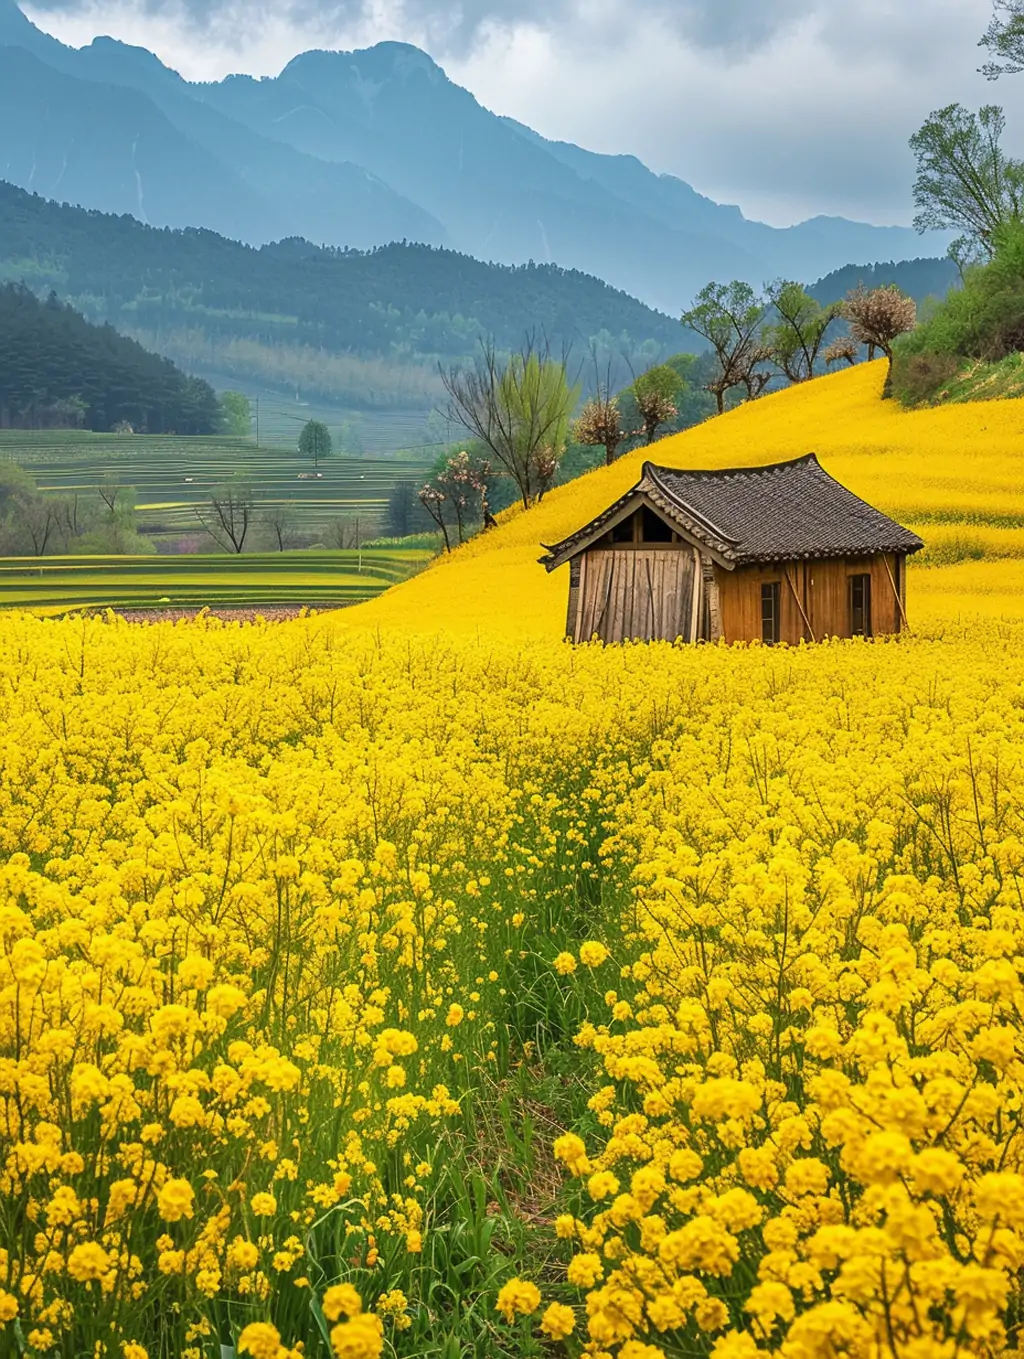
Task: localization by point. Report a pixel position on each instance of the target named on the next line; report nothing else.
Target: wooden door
(633, 594)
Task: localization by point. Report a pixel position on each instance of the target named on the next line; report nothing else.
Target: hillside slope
(956, 475)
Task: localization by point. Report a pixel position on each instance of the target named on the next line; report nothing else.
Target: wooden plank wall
(823, 590)
(631, 593)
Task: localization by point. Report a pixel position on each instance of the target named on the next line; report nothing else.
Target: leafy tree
(983, 320)
(796, 336)
(315, 441)
(518, 410)
(730, 316)
(400, 519)
(965, 180)
(456, 496)
(237, 413)
(655, 394)
(878, 317)
(16, 485)
(1004, 39)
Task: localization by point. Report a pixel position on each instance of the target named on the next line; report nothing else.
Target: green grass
(355, 431)
(975, 380)
(315, 579)
(173, 475)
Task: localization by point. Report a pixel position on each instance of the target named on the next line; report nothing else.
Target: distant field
(355, 432)
(173, 475)
(316, 579)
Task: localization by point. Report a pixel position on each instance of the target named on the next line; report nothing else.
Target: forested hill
(398, 301)
(58, 370)
(919, 279)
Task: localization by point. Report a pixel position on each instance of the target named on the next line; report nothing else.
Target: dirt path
(269, 613)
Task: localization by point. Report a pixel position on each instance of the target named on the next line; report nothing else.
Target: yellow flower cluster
(262, 902)
(809, 1120)
(282, 908)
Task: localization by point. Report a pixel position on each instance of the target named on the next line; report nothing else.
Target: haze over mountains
(362, 148)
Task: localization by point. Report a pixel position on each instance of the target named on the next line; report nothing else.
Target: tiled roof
(783, 512)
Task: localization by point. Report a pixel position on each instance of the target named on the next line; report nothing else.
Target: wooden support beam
(714, 601)
(800, 605)
(895, 590)
(695, 611)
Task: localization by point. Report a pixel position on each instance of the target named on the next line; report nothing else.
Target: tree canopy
(58, 370)
(315, 441)
(965, 180)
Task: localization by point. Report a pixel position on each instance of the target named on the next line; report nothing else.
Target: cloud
(727, 25)
(790, 109)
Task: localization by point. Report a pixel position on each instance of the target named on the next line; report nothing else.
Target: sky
(789, 108)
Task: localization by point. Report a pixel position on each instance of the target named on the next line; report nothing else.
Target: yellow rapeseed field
(406, 982)
(954, 474)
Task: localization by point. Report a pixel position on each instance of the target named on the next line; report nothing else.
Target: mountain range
(357, 149)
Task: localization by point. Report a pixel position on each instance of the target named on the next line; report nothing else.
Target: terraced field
(315, 579)
(174, 474)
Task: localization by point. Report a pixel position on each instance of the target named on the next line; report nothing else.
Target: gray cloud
(725, 25)
(788, 107)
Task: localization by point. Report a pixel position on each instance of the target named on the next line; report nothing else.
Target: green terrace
(313, 579)
(174, 475)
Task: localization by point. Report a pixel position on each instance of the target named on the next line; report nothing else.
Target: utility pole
(257, 422)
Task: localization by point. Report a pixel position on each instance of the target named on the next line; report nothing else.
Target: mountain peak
(110, 58)
(382, 61)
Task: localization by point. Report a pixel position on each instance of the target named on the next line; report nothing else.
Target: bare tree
(599, 423)
(279, 522)
(343, 534)
(1004, 39)
(228, 515)
(518, 410)
(110, 492)
(878, 316)
(752, 373)
(730, 316)
(38, 517)
(434, 501)
(71, 519)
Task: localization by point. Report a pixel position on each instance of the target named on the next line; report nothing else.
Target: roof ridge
(711, 473)
(650, 472)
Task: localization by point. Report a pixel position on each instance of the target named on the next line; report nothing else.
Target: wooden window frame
(860, 584)
(771, 621)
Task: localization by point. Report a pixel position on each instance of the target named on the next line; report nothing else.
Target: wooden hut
(781, 553)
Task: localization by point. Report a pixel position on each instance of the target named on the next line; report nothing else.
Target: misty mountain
(109, 127)
(403, 302)
(361, 148)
